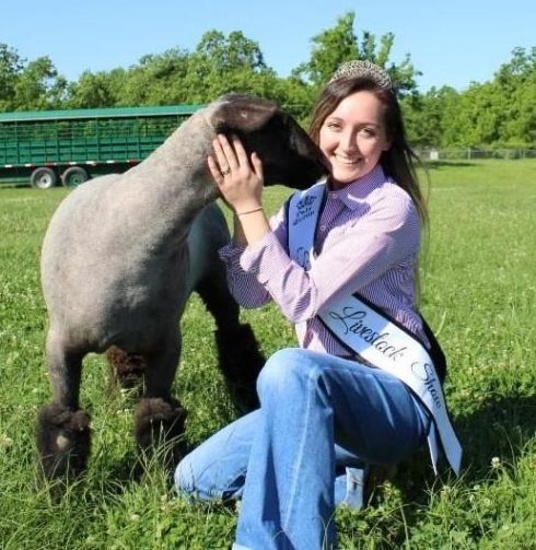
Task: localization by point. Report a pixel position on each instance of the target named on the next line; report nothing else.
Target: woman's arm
(352, 256)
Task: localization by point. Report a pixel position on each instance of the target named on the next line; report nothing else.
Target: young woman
(340, 261)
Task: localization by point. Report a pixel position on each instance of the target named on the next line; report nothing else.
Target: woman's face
(354, 136)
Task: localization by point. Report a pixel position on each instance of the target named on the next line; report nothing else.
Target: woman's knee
(286, 370)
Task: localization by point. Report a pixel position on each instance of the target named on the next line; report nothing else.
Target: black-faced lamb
(115, 267)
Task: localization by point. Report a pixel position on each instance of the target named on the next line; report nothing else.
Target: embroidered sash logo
(305, 208)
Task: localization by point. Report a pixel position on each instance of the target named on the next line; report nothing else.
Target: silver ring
(226, 172)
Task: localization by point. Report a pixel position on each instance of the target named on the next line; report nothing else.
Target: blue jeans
(319, 414)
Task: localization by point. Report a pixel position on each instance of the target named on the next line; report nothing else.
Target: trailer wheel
(43, 178)
(74, 176)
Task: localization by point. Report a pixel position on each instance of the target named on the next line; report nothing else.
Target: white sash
(370, 333)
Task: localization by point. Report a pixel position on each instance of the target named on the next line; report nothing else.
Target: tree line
(500, 113)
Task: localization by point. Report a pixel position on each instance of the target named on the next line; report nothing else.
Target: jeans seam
(311, 381)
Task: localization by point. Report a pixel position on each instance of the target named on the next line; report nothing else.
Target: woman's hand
(239, 179)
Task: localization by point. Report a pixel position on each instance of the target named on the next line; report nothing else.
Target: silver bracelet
(249, 211)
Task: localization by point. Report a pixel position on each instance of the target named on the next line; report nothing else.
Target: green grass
(478, 282)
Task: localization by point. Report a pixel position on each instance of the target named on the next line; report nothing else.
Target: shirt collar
(356, 192)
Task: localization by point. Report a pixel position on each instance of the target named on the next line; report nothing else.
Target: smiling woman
(335, 407)
(354, 136)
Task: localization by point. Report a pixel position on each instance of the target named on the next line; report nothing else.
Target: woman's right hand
(239, 178)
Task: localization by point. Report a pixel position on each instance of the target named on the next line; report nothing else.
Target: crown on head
(362, 68)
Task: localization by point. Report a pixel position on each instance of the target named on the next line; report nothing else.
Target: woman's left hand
(239, 179)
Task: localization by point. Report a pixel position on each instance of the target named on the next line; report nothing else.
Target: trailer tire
(74, 176)
(43, 178)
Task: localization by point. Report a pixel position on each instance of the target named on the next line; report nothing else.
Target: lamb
(239, 356)
(115, 267)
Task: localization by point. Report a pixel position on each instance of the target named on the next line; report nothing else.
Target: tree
(93, 90)
(338, 44)
(39, 87)
(422, 116)
(220, 64)
(495, 114)
(227, 54)
(11, 66)
(157, 80)
(330, 48)
(516, 83)
(28, 86)
(225, 64)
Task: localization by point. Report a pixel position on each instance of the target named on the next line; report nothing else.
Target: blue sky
(452, 43)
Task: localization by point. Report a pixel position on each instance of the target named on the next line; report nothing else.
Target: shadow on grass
(441, 164)
(500, 428)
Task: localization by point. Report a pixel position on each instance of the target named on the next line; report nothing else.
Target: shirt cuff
(230, 255)
(265, 258)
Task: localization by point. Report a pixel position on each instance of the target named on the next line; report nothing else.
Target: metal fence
(474, 154)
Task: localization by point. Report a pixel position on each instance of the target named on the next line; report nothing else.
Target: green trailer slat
(96, 136)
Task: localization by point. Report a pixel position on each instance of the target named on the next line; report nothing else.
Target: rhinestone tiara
(362, 68)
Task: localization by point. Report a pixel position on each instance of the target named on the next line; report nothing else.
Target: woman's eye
(333, 126)
(368, 132)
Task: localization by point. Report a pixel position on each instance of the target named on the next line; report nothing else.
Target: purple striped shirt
(367, 240)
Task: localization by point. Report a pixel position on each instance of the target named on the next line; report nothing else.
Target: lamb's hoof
(63, 441)
(159, 425)
(127, 368)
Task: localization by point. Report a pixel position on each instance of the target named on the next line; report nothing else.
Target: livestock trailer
(43, 148)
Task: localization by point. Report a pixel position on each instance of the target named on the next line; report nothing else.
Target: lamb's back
(93, 266)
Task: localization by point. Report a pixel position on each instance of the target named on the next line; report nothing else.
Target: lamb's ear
(242, 113)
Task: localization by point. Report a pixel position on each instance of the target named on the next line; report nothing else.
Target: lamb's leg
(240, 359)
(63, 431)
(126, 369)
(160, 417)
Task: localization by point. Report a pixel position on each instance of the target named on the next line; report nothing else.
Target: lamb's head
(288, 154)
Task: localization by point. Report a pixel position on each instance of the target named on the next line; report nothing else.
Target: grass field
(478, 284)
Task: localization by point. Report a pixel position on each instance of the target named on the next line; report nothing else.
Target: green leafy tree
(494, 114)
(157, 80)
(516, 82)
(329, 48)
(92, 90)
(11, 65)
(422, 116)
(219, 64)
(295, 96)
(340, 43)
(39, 87)
(223, 64)
(28, 86)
